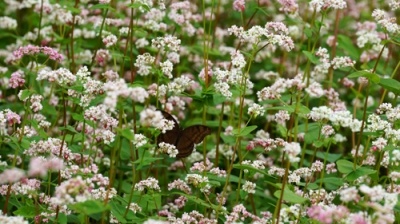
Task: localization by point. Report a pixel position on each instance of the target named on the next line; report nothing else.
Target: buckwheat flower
(139, 140)
(393, 114)
(256, 110)
(317, 166)
(8, 23)
(331, 168)
(394, 175)
(294, 178)
(166, 68)
(384, 20)
(110, 40)
(180, 84)
(167, 43)
(288, 6)
(201, 166)
(320, 113)
(150, 117)
(102, 57)
(327, 131)
(375, 193)
(218, 172)
(61, 76)
(52, 53)
(9, 116)
(35, 102)
(51, 146)
(267, 93)
(276, 171)
(249, 187)
(239, 212)
(165, 125)
(196, 180)
(342, 62)
(104, 135)
(171, 150)
(349, 194)
(292, 149)
(239, 5)
(394, 4)
(110, 75)
(134, 207)
(319, 5)
(39, 166)
(383, 108)
(223, 88)
(32, 50)
(16, 79)
(327, 214)
(228, 130)
(379, 144)
(138, 94)
(143, 63)
(71, 191)
(12, 175)
(150, 183)
(282, 116)
(12, 219)
(315, 90)
(375, 123)
(180, 185)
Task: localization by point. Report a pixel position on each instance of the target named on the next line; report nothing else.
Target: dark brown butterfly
(183, 139)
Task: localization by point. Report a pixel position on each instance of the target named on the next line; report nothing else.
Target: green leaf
(290, 196)
(101, 6)
(25, 94)
(345, 43)
(26, 211)
(62, 218)
(127, 133)
(318, 143)
(311, 57)
(334, 182)
(69, 128)
(391, 85)
(359, 172)
(345, 166)
(369, 75)
(249, 167)
(77, 117)
(330, 157)
(244, 131)
(138, 5)
(89, 207)
(118, 211)
(146, 161)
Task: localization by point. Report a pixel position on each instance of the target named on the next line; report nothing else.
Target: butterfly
(183, 139)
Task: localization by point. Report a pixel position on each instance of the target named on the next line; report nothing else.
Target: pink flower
(32, 50)
(11, 175)
(16, 80)
(12, 117)
(239, 5)
(39, 166)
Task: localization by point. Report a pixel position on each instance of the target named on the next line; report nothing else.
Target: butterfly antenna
(184, 166)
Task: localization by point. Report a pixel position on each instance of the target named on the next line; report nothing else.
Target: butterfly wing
(170, 136)
(190, 136)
